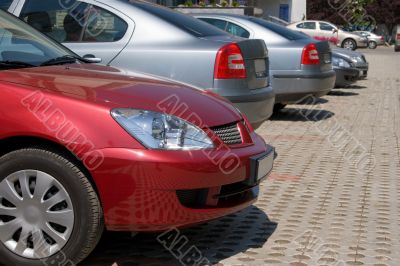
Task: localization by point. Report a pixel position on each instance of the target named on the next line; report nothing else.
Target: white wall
(299, 9)
(270, 7)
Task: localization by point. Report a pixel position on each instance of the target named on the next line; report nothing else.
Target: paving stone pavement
(334, 195)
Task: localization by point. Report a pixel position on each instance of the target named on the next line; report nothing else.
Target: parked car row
(322, 30)
(299, 66)
(125, 115)
(85, 146)
(373, 40)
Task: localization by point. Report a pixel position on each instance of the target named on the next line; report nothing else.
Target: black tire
(278, 107)
(88, 222)
(350, 43)
(372, 45)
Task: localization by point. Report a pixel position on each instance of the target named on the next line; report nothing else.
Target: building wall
(297, 8)
(271, 7)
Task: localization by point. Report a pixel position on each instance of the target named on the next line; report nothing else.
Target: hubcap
(349, 44)
(36, 214)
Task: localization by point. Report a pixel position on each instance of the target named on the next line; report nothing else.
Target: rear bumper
(346, 76)
(257, 105)
(293, 88)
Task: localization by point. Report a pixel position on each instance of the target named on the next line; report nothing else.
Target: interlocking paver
(317, 208)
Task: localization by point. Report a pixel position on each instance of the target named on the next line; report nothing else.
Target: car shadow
(354, 87)
(342, 93)
(313, 101)
(216, 241)
(301, 115)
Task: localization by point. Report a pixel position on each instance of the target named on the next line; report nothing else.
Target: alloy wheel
(36, 214)
(349, 44)
(372, 45)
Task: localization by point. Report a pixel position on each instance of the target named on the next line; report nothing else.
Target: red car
(85, 147)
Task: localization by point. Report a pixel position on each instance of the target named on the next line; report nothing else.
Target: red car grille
(229, 134)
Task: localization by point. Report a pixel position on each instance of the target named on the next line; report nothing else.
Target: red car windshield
(23, 46)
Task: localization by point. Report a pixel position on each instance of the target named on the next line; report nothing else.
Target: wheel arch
(13, 143)
(349, 38)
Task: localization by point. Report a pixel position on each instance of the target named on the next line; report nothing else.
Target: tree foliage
(350, 12)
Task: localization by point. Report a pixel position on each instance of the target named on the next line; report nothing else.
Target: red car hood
(117, 88)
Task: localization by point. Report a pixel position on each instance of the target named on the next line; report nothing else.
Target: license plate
(261, 166)
(261, 68)
(327, 58)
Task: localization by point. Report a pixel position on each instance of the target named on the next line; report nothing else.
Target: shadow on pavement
(342, 93)
(216, 240)
(313, 101)
(301, 115)
(354, 87)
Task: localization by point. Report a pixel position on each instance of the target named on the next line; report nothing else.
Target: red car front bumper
(150, 190)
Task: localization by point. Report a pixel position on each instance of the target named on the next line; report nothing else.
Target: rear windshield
(280, 30)
(189, 24)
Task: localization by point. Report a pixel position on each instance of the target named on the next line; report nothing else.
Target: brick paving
(334, 196)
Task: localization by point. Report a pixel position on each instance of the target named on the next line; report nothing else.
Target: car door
(328, 32)
(308, 27)
(86, 27)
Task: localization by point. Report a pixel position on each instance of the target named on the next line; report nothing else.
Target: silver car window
(237, 30)
(221, 24)
(103, 26)
(60, 21)
(73, 21)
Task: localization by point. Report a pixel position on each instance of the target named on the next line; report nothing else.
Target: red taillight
(230, 63)
(398, 36)
(310, 55)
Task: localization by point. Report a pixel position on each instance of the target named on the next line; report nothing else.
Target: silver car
(299, 65)
(144, 37)
(373, 40)
(323, 30)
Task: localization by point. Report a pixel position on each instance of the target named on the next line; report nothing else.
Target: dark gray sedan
(356, 58)
(346, 71)
(300, 66)
(143, 37)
